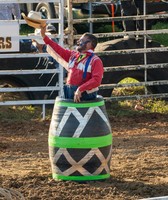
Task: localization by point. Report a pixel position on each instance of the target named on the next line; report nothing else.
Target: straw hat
(34, 20)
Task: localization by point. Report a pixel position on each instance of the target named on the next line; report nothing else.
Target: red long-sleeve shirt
(76, 67)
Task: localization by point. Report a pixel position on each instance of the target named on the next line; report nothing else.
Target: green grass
(127, 108)
(23, 113)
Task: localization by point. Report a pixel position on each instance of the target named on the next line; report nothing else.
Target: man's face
(82, 44)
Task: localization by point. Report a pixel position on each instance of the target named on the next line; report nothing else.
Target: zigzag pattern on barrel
(80, 140)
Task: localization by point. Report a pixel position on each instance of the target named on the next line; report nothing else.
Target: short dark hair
(92, 38)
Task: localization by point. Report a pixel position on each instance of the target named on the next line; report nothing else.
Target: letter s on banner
(9, 36)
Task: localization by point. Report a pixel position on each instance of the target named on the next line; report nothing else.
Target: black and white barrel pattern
(80, 140)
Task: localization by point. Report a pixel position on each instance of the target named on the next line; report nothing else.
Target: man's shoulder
(96, 57)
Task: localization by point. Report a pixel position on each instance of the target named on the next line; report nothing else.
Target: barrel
(80, 140)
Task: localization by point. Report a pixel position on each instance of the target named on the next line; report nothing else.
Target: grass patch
(23, 113)
(128, 108)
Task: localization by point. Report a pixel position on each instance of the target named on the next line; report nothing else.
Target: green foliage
(161, 38)
(133, 90)
(158, 106)
(25, 29)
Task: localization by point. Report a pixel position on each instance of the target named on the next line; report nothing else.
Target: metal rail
(136, 67)
(124, 18)
(136, 97)
(129, 33)
(146, 83)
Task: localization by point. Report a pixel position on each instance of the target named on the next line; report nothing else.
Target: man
(85, 69)
(9, 11)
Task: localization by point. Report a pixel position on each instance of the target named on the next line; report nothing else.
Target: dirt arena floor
(139, 165)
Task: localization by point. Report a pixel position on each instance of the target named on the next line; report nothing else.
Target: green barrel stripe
(80, 178)
(87, 142)
(80, 105)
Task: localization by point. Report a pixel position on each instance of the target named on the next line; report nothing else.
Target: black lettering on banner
(5, 43)
(8, 43)
(2, 43)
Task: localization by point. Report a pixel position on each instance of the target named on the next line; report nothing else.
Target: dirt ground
(139, 164)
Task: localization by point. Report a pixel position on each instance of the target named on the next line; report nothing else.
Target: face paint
(81, 45)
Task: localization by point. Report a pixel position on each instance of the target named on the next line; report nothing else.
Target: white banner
(9, 36)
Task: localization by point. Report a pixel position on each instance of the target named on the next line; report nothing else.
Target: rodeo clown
(85, 69)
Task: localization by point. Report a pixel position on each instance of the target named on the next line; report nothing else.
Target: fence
(35, 58)
(145, 50)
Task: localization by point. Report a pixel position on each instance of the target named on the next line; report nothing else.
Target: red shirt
(76, 67)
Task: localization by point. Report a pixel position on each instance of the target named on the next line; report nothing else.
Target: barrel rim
(98, 98)
(80, 178)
